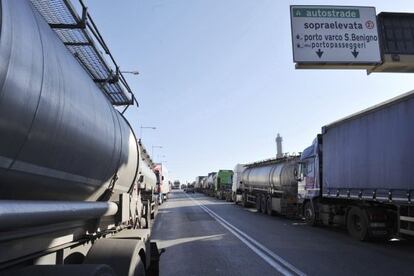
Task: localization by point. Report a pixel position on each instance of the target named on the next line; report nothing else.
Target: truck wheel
(244, 200)
(357, 223)
(263, 204)
(147, 215)
(154, 214)
(122, 255)
(309, 214)
(258, 202)
(269, 205)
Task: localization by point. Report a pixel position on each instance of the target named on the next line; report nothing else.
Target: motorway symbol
(319, 53)
(369, 24)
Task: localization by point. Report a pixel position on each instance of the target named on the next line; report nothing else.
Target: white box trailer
(163, 181)
(236, 191)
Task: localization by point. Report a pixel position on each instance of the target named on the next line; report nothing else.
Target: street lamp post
(145, 127)
(130, 72)
(154, 147)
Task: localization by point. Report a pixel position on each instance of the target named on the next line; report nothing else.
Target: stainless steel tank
(60, 138)
(278, 175)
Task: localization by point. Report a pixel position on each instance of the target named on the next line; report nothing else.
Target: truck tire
(309, 214)
(244, 200)
(357, 223)
(269, 205)
(147, 215)
(154, 214)
(263, 204)
(258, 202)
(122, 255)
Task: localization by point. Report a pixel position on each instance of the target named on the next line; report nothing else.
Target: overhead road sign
(335, 37)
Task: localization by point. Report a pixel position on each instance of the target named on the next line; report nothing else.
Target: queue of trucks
(356, 174)
(81, 200)
(217, 184)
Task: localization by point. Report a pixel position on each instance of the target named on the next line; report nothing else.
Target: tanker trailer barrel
(69, 160)
(19, 213)
(271, 186)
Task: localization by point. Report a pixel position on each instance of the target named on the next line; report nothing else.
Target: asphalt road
(205, 236)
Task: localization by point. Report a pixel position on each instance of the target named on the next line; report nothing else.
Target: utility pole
(146, 127)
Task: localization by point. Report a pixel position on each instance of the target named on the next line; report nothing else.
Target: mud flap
(154, 269)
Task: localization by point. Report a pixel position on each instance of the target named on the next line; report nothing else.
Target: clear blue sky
(218, 81)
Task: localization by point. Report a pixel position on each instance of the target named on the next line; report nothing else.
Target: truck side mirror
(162, 177)
(298, 172)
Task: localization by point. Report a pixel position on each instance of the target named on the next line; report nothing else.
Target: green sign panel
(325, 13)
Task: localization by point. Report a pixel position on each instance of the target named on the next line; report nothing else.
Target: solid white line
(266, 258)
(277, 262)
(262, 247)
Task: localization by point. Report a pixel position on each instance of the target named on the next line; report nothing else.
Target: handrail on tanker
(83, 39)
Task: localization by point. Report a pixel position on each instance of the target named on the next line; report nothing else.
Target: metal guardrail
(82, 38)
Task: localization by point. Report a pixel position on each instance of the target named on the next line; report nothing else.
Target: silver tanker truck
(271, 186)
(70, 187)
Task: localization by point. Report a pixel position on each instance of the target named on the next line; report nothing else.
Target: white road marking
(267, 255)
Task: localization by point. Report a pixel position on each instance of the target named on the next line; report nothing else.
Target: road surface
(205, 236)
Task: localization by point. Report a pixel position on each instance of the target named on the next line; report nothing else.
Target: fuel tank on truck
(60, 137)
(272, 175)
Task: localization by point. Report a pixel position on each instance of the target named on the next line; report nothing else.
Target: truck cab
(308, 173)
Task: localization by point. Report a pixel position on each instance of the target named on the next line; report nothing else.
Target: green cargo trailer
(223, 184)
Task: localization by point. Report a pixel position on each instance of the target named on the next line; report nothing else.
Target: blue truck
(357, 172)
